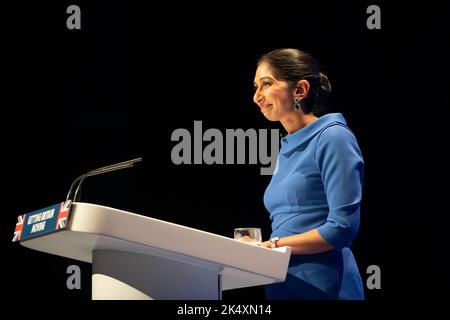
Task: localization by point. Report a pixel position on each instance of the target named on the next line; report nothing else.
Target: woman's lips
(263, 108)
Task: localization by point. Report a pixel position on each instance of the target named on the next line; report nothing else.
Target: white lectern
(137, 257)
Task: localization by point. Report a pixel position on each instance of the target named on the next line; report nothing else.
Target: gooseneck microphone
(113, 167)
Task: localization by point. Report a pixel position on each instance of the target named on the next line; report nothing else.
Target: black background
(117, 89)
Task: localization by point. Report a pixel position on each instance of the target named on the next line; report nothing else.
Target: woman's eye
(263, 85)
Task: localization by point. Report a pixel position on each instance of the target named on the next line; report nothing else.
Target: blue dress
(317, 183)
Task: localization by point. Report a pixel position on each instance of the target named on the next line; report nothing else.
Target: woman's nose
(257, 97)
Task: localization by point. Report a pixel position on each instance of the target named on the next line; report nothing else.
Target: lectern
(139, 257)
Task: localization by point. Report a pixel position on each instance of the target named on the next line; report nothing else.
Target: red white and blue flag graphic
(62, 216)
(19, 227)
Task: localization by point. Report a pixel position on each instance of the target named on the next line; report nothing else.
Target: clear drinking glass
(250, 235)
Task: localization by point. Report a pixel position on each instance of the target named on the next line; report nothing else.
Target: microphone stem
(113, 167)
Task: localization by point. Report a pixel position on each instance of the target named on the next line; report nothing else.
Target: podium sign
(42, 221)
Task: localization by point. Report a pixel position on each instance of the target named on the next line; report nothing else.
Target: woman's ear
(302, 89)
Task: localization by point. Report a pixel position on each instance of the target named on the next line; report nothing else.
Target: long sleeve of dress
(340, 162)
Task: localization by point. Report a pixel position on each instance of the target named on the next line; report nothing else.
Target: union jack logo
(62, 215)
(19, 227)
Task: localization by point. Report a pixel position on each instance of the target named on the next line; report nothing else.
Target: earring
(297, 105)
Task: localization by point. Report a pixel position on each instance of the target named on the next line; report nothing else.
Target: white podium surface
(138, 257)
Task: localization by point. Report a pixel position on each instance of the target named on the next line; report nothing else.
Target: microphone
(113, 167)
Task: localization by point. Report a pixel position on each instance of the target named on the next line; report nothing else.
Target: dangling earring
(297, 105)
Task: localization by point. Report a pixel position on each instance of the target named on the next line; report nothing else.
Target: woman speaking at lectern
(315, 192)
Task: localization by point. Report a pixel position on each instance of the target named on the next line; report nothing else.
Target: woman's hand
(266, 244)
(245, 239)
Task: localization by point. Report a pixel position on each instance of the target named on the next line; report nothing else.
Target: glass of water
(250, 235)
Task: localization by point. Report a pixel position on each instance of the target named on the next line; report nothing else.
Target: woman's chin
(270, 116)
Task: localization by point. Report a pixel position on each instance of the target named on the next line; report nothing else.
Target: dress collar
(292, 140)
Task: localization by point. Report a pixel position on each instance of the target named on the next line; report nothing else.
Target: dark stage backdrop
(118, 88)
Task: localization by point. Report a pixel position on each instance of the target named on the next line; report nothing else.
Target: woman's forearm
(309, 242)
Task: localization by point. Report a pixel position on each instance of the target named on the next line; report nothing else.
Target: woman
(315, 193)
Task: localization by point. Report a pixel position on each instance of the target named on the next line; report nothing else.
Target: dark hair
(293, 65)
